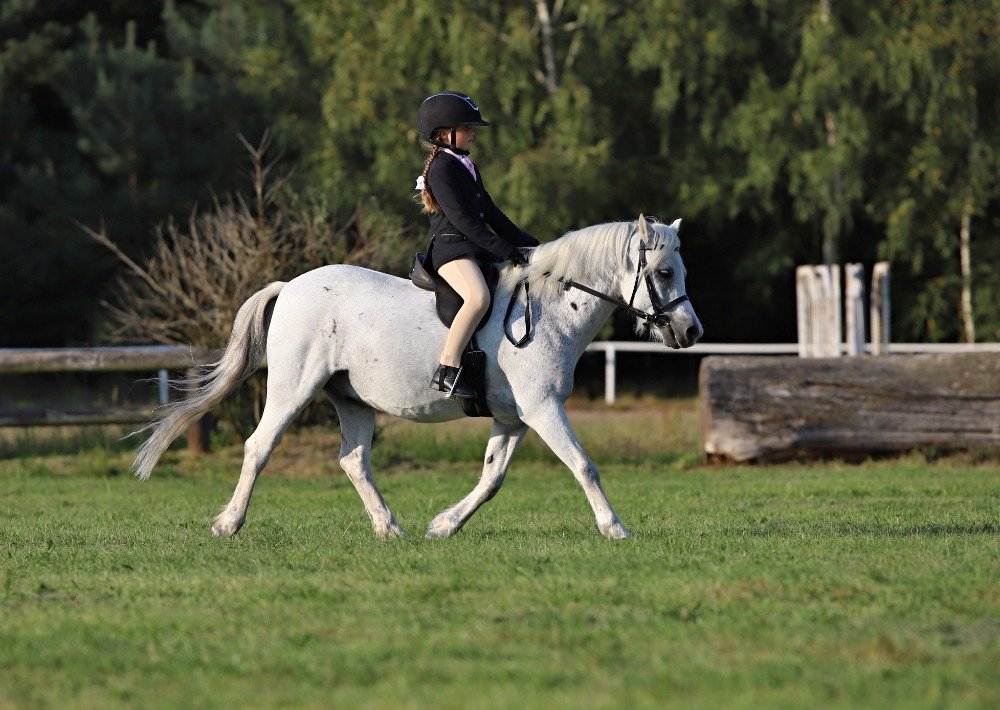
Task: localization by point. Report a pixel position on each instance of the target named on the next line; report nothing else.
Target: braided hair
(426, 196)
(430, 205)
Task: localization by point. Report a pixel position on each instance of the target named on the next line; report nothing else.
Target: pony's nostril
(692, 333)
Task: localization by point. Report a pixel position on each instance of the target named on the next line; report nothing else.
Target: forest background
(784, 132)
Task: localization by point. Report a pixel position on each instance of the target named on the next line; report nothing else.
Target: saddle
(447, 303)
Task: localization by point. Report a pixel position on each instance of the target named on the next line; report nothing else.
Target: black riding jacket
(460, 227)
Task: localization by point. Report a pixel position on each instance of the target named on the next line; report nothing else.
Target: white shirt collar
(465, 160)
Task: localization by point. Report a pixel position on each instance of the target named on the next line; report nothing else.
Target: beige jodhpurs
(465, 276)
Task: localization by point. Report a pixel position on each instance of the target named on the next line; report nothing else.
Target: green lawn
(790, 585)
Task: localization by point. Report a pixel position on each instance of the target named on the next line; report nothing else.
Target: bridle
(659, 316)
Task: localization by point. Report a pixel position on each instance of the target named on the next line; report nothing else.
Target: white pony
(371, 341)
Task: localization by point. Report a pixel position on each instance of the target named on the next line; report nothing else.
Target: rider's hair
(426, 196)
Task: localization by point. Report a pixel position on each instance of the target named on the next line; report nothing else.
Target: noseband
(660, 315)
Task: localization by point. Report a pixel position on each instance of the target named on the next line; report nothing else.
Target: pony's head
(638, 262)
(653, 281)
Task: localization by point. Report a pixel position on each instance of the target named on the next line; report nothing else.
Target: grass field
(796, 585)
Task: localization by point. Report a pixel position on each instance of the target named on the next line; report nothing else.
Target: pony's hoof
(440, 528)
(226, 528)
(615, 531)
(392, 531)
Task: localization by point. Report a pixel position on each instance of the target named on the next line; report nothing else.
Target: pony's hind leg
(357, 425)
(288, 393)
(549, 420)
(503, 443)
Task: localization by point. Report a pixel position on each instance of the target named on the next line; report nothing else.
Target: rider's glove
(518, 258)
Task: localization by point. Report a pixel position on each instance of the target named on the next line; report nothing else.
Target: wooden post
(879, 313)
(817, 312)
(854, 308)
(826, 311)
(803, 304)
(198, 434)
(834, 306)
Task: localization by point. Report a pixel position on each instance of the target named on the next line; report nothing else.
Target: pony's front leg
(549, 420)
(504, 440)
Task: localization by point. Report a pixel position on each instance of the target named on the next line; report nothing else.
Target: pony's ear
(643, 228)
(676, 225)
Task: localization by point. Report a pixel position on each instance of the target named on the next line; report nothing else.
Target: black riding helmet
(447, 110)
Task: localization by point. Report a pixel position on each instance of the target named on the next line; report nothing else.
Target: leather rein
(659, 316)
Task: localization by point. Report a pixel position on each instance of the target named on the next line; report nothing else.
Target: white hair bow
(421, 184)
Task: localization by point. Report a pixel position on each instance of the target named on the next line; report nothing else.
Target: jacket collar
(465, 171)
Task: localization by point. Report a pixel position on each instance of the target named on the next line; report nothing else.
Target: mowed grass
(794, 585)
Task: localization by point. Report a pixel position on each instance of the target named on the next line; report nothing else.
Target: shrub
(188, 289)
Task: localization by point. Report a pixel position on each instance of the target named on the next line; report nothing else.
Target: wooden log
(774, 408)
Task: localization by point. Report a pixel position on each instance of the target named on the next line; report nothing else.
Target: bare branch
(102, 239)
(548, 47)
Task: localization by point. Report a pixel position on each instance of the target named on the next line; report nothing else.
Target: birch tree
(942, 63)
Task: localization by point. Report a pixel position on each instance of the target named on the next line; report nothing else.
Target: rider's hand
(518, 258)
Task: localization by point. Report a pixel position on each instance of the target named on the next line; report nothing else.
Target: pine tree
(108, 120)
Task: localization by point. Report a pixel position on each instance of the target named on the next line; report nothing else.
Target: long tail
(242, 357)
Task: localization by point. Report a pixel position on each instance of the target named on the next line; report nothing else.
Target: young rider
(460, 210)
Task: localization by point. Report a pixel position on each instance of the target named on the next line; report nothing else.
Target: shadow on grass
(920, 529)
(782, 529)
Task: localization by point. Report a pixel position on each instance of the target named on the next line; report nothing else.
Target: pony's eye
(667, 273)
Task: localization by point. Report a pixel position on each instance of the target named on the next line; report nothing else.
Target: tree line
(783, 132)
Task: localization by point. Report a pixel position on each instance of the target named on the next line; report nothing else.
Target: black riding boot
(448, 379)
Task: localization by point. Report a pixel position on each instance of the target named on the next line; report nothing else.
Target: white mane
(591, 256)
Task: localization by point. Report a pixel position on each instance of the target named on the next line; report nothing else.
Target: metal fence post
(609, 374)
(163, 386)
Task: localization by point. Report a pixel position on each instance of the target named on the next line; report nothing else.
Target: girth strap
(523, 340)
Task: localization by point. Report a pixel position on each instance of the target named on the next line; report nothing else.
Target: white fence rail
(611, 348)
(161, 358)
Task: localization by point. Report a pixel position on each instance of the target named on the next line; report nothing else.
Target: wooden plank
(854, 309)
(803, 304)
(834, 308)
(765, 409)
(879, 309)
(103, 359)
